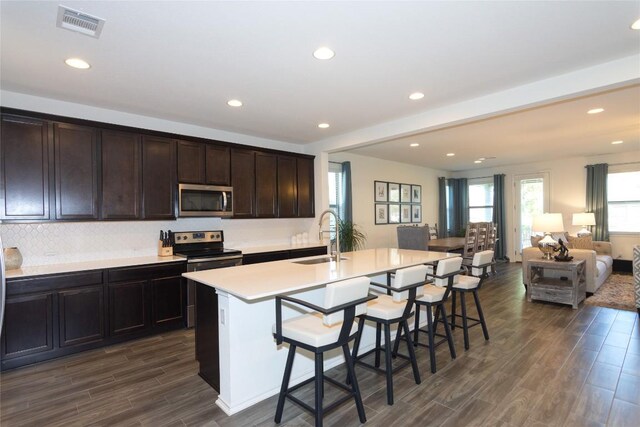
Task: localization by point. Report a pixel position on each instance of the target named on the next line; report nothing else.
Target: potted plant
(351, 238)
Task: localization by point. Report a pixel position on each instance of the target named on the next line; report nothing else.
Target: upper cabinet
(158, 178)
(63, 169)
(121, 177)
(76, 171)
(25, 153)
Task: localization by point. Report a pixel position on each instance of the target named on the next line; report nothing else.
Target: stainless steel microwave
(205, 200)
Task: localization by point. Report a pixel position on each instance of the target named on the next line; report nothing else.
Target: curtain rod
(615, 164)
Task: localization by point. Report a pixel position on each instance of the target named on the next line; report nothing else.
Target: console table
(570, 291)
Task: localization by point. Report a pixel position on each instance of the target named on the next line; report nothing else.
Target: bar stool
(329, 327)
(386, 311)
(435, 295)
(471, 283)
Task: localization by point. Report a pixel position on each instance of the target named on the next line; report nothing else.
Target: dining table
(446, 244)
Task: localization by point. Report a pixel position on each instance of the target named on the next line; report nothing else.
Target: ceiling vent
(80, 22)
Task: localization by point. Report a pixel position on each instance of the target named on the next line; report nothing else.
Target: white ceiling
(182, 61)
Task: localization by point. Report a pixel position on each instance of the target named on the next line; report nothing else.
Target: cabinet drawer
(48, 283)
(146, 272)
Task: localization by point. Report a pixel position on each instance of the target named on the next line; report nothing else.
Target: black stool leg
(481, 315)
(387, 362)
(354, 383)
(412, 352)
(436, 319)
(447, 331)
(319, 387)
(396, 343)
(432, 349)
(465, 328)
(356, 344)
(416, 326)
(378, 343)
(285, 383)
(453, 310)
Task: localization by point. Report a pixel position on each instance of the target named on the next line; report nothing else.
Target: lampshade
(584, 218)
(547, 223)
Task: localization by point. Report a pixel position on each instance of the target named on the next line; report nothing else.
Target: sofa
(599, 262)
(636, 274)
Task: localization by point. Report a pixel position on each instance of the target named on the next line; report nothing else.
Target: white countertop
(256, 281)
(40, 270)
(278, 247)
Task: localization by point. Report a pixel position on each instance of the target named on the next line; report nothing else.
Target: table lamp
(584, 219)
(547, 223)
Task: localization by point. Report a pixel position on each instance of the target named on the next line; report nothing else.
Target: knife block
(164, 251)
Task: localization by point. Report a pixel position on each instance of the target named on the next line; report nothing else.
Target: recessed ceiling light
(77, 63)
(323, 53)
(595, 111)
(481, 158)
(636, 25)
(234, 103)
(616, 142)
(323, 125)
(477, 161)
(451, 154)
(416, 95)
(414, 145)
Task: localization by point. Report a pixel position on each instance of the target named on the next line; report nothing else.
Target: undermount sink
(319, 260)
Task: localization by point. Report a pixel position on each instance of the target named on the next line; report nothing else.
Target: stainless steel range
(204, 250)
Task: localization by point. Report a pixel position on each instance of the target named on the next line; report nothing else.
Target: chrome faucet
(321, 231)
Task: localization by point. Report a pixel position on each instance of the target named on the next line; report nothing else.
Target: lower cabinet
(260, 257)
(52, 316)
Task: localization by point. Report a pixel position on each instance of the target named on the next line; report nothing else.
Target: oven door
(208, 264)
(204, 200)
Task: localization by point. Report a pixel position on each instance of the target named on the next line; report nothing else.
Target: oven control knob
(211, 236)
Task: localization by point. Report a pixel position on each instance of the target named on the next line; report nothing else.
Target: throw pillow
(581, 242)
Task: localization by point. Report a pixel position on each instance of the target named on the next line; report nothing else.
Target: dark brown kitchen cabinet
(76, 171)
(243, 180)
(218, 165)
(191, 162)
(128, 307)
(266, 185)
(305, 187)
(28, 326)
(121, 177)
(287, 187)
(158, 178)
(25, 151)
(81, 314)
(168, 300)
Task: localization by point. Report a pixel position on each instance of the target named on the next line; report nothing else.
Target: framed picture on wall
(405, 213)
(394, 192)
(416, 213)
(382, 214)
(416, 194)
(405, 193)
(394, 214)
(380, 188)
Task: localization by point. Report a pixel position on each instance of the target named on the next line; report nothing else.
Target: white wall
(567, 190)
(366, 170)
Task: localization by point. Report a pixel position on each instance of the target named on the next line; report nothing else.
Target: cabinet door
(28, 326)
(81, 314)
(158, 178)
(218, 165)
(121, 178)
(287, 187)
(24, 169)
(191, 162)
(266, 185)
(168, 300)
(76, 171)
(306, 195)
(243, 182)
(128, 307)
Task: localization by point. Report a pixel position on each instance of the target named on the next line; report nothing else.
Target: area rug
(616, 292)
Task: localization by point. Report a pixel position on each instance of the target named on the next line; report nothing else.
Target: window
(336, 193)
(481, 201)
(623, 193)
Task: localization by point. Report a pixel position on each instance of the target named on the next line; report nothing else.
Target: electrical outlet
(222, 317)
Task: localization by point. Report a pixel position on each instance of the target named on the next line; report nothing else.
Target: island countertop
(257, 281)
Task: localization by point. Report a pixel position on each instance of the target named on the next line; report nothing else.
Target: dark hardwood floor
(545, 365)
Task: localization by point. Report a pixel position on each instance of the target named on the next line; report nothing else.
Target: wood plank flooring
(545, 365)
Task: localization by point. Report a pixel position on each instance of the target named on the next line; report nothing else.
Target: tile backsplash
(58, 242)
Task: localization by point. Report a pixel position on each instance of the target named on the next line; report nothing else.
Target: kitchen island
(250, 362)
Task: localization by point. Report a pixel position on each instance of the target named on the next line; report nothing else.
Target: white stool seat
(432, 294)
(385, 308)
(309, 329)
(466, 282)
